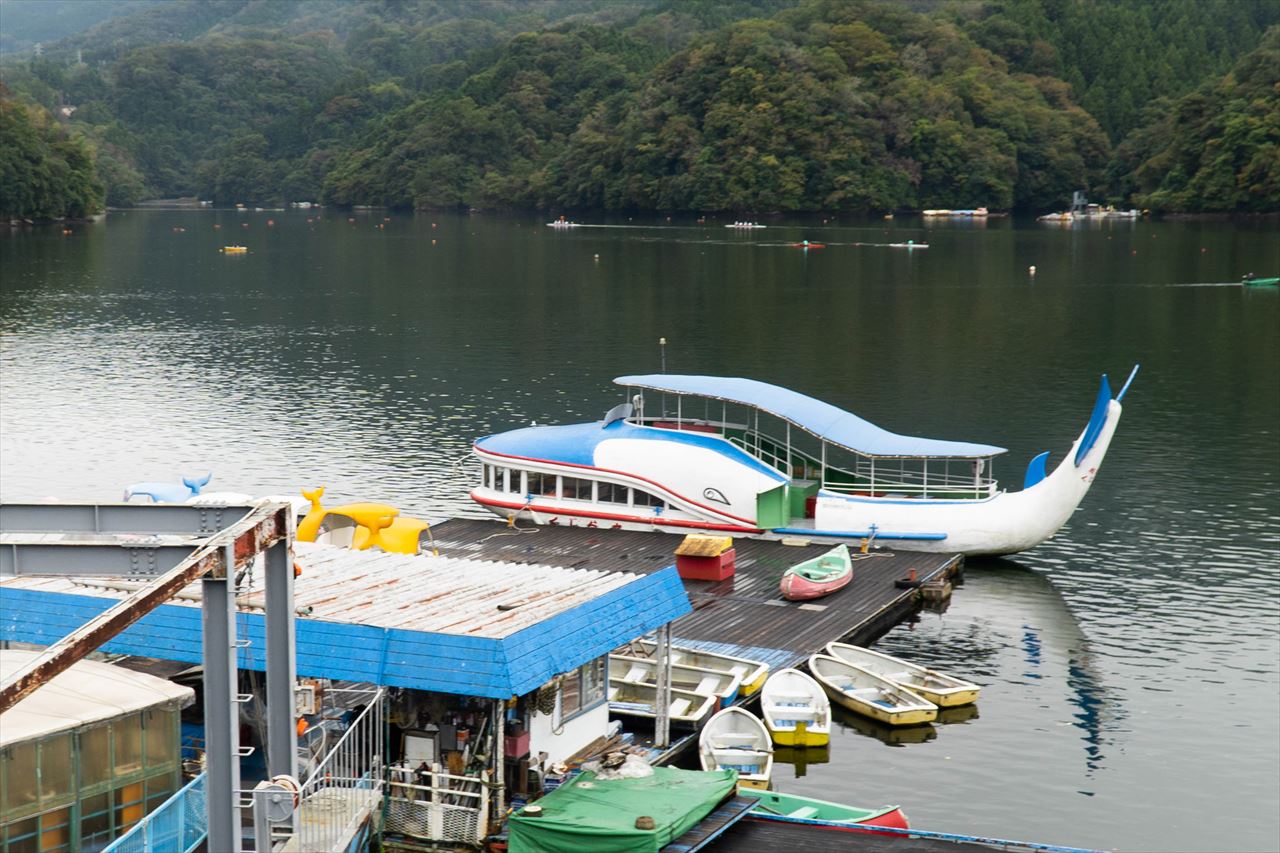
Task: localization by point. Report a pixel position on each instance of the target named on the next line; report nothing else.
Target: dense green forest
(743, 105)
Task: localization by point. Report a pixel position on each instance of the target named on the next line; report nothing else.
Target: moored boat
(1252, 280)
(711, 682)
(744, 225)
(735, 739)
(820, 576)
(796, 711)
(866, 693)
(751, 673)
(941, 689)
(774, 805)
(687, 709)
(744, 457)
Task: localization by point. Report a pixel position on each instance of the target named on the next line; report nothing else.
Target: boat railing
(436, 806)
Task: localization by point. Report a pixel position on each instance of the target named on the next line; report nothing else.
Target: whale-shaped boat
(752, 459)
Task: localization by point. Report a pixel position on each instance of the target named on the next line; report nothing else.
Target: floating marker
(1032, 269)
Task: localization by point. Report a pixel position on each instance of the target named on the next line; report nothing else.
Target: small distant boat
(735, 739)
(746, 225)
(687, 710)
(866, 693)
(710, 682)
(937, 212)
(943, 690)
(752, 673)
(820, 576)
(235, 250)
(795, 709)
(773, 805)
(1063, 216)
(805, 244)
(563, 223)
(1252, 280)
(910, 244)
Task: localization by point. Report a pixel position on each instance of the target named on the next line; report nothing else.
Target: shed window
(55, 769)
(127, 736)
(95, 755)
(19, 768)
(161, 738)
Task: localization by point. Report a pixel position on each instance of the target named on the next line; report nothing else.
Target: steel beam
(221, 713)
(120, 518)
(282, 662)
(96, 556)
(219, 556)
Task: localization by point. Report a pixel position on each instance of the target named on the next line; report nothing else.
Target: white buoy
(1032, 269)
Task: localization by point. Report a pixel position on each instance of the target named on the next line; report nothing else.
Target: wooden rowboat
(687, 710)
(795, 709)
(775, 806)
(735, 739)
(711, 682)
(943, 690)
(867, 693)
(820, 576)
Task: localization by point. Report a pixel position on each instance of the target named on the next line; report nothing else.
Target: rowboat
(697, 453)
(746, 225)
(796, 711)
(943, 690)
(772, 805)
(751, 673)
(1252, 280)
(735, 739)
(234, 250)
(867, 693)
(710, 682)
(819, 576)
(687, 709)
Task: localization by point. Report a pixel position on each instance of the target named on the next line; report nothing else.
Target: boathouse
(490, 670)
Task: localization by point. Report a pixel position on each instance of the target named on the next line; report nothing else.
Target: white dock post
(662, 721)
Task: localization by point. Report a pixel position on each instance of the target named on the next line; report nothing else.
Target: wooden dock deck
(743, 615)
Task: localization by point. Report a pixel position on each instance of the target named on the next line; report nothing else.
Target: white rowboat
(868, 694)
(687, 709)
(709, 682)
(945, 691)
(796, 711)
(735, 739)
(751, 673)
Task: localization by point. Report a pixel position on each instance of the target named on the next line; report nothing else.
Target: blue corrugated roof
(492, 667)
(822, 419)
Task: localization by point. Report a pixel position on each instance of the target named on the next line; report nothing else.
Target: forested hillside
(751, 105)
(45, 173)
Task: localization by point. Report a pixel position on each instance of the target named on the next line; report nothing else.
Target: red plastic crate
(706, 568)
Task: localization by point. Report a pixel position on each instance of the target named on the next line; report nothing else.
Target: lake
(1131, 665)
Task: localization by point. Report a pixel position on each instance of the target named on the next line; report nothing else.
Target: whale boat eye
(715, 495)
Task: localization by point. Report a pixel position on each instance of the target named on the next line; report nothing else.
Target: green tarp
(587, 814)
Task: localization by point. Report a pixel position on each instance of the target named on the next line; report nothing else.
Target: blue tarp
(824, 420)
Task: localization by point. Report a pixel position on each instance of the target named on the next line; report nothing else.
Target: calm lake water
(1132, 664)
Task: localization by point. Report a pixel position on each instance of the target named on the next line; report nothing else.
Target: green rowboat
(775, 806)
(1252, 281)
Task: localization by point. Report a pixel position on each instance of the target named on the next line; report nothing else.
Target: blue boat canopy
(823, 420)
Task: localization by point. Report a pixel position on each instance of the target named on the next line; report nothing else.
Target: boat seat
(805, 813)
(864, 692)
(708, 686)
(679, 707)
(792, 699)
(636, 673)
(731, 739)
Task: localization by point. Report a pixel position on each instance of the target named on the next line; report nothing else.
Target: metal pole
(221, 712)
(282, 745)
(499, 757)
(662, 722)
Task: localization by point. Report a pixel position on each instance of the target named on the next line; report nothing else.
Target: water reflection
(801, 758)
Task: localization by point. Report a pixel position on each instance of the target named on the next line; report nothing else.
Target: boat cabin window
(541, 484)
(612, 493)
(576, 488)
(640, 498)
(515, 481)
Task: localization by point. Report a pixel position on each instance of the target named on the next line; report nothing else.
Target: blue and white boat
(712, 453)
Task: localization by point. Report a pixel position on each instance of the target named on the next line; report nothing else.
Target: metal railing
(448, 808)
(345, 789)
(178, 825)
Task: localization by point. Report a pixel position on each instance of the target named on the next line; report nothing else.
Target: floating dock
(744, 615)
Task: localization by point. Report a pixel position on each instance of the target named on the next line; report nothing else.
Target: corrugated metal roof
(449, 624)
(88, 692)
